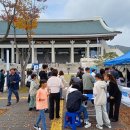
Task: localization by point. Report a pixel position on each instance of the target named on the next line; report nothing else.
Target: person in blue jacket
(13, 85)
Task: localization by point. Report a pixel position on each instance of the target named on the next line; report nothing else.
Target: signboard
(36, 67)
(126, 96)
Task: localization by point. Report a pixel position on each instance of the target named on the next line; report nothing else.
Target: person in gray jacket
(88, 82)
(32, 91)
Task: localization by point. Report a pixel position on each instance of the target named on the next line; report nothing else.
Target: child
(100, 101)
(33, 90)
(42, 104)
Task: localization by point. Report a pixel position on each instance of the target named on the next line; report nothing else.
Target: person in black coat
(2, 80)
(74, 103)
(114, 97)
(80, 75)
(43, 73)
(128, 78)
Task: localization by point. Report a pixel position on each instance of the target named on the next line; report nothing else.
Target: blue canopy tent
(122, 60)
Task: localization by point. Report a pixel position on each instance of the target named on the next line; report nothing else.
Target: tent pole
(126, 74)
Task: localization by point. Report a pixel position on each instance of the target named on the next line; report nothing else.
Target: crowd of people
(104, 88)
(46, 91)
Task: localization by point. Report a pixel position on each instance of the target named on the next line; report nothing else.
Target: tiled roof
(65, 27)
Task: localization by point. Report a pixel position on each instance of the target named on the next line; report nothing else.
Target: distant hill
(124, 49)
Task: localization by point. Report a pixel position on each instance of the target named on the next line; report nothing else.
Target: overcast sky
(116, 14)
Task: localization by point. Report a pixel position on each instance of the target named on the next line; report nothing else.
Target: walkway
(18, 117)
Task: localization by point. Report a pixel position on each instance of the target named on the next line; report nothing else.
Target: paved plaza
(17, 117)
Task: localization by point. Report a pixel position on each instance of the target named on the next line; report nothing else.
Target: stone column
(102, 47)
(85, 52)
(102, 50)
(52, 51)
(12, 51)
(33, 55)
(72, 51)
(2, 54)
(17, 57)
(88, 49)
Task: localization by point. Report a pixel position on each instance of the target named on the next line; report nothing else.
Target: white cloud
(115, 13)
(122, 39)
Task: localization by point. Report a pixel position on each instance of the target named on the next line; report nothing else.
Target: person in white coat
(100, 101)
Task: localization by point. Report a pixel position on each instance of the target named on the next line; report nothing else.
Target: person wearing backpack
(74, 103)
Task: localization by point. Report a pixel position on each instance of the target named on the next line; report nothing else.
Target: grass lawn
(67, 77)
(23, 89)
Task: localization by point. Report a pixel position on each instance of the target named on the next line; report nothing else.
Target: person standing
(54, 84)
(42, 104)
(100, 101)
(61, 76)
(2, 80)
(114, 97)
(43, 73)
(128, 78)
(114, 73)
(88, 82)
(102, 72)
(93, 73)
(13, 85)
(80, 75)
(44, 76)
(28, 82)
(33, 90)
(50, 72)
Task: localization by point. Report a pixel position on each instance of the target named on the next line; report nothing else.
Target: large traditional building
(60, 41)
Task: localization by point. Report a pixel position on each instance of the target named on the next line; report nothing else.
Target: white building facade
(60, 41)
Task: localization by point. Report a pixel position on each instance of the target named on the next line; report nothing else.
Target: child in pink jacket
(42, 104)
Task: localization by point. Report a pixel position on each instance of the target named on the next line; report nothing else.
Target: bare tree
(23, 15)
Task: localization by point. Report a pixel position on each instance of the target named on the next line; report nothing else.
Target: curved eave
(112, 30)
(65, 36)
(104, 25)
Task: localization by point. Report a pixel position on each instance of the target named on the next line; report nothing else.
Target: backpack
(73, 102)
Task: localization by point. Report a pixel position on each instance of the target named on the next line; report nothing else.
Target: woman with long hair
(114, 97)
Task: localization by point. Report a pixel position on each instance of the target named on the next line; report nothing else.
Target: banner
(126, 96)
